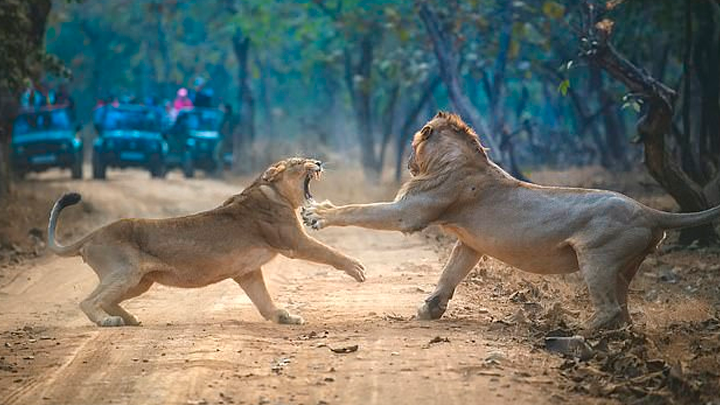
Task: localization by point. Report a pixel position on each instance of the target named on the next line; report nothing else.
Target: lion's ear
(425, 132)
(272, 173)
(441, 114)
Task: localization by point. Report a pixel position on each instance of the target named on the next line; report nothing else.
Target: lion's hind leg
(608, 268)
(604, 273)
(253, 284)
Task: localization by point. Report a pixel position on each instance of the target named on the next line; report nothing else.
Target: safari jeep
(46, 138)
(128, 136)
(194, 141)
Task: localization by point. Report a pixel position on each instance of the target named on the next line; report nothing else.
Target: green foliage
(300, 50)
(22, 57)
(563, 87)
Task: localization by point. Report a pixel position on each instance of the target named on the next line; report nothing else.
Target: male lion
(545, 230)
(230, 241)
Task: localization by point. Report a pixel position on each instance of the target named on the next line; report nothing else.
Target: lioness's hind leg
(111, 290)
(95, 312)
(253, 284)
(116, 310)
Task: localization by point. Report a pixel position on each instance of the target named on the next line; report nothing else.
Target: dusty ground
(211, 346)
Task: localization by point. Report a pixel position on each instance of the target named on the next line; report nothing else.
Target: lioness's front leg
(462, 260)
(253, 284)
(313, 250)
(409, 214)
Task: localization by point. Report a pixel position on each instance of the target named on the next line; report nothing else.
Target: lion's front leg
(462, 260)
(406, 216)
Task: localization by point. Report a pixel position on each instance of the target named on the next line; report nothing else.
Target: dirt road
(210, 345)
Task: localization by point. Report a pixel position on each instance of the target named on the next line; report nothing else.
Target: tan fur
(230, 241)
(546, 230)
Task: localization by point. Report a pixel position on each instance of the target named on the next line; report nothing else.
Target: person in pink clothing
(182, 100)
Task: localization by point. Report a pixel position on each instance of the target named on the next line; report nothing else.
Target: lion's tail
(669, 220)
(66, 200)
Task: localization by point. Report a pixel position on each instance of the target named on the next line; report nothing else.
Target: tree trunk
(388, 121)
(8, 111)
(613, 147)
(268, 128)
(358, 80)
(587, 123)
(38, 11)
(654, 124)
(163, 52)
(496, 95)
(245, 130)
(363, 108)
(406, 131)
(447, 61)
(706, 63)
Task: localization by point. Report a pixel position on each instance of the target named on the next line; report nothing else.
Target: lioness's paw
(356, 271)
(283, 317)
(131, 321)
(111, 321)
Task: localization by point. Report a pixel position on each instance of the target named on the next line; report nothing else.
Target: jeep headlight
(191, 142)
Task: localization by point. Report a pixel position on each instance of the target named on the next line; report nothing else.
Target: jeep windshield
(42, 121)
(200, 120)
(118, 119)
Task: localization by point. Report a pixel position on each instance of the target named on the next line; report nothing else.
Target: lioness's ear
(272, 173)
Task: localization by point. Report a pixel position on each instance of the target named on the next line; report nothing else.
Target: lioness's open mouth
(315, 173)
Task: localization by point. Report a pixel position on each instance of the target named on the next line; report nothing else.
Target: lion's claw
(312, 214)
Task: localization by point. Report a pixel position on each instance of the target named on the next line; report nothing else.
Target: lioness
(230, 241)
(545, 230)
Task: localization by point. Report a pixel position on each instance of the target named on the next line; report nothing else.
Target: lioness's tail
(669, 220)
(69, 250)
